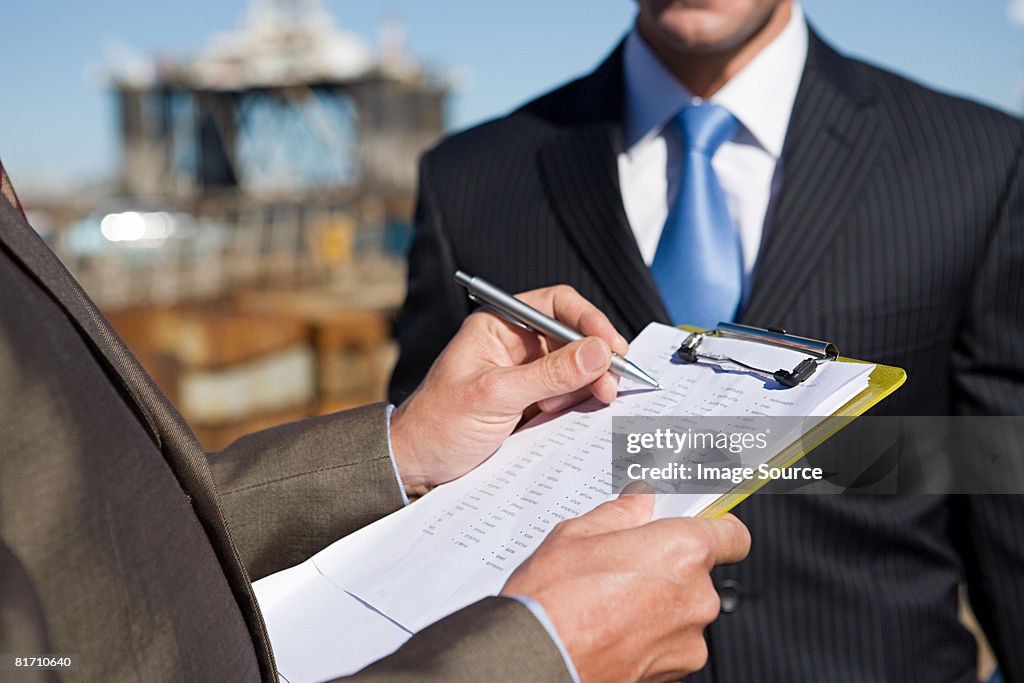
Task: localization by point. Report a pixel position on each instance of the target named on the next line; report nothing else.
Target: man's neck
(704, 74)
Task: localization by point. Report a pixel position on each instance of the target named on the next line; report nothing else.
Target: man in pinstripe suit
(869, 211)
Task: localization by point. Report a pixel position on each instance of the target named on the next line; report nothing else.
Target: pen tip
(659, 387)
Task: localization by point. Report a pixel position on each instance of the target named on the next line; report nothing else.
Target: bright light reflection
(133, 225)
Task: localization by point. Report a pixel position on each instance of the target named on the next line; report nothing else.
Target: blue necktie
(698, 266)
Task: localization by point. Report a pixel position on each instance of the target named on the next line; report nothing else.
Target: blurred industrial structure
(252, 254)
(286, 103)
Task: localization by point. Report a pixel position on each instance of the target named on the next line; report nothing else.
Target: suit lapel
(173, 438)
(580, 174)
(35, 255)
(834, 135)
(579, 169)
(833, 138)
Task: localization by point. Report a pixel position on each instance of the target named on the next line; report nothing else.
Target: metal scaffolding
(286, 104)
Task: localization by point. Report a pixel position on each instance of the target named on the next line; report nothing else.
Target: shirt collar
(761, 96)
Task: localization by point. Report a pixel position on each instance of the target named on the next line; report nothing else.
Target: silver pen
(528, 317)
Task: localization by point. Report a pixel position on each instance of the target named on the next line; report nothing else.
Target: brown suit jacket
(125, 545)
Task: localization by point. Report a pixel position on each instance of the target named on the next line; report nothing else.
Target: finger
(557, 403)
(514, 345)
(724, 540)
(631, 509)
(567, 305)
(709, 542)
(605, 388)
(572, 367)
(635, 488)
(594, 323)
(731, 539)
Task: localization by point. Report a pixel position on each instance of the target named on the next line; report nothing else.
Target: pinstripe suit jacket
(899, 234)
(124, 545)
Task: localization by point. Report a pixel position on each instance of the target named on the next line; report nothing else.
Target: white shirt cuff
(545, 621)
(391, 454)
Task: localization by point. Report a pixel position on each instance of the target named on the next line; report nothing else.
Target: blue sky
(57, 123)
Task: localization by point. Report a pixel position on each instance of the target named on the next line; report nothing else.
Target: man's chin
(693, 28)
(697, 43)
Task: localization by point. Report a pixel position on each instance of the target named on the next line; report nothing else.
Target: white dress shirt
(748, 165)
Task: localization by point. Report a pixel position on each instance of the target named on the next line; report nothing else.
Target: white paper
(317, 630)
(461, 542)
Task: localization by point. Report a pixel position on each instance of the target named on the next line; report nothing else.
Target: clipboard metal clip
(818, 351)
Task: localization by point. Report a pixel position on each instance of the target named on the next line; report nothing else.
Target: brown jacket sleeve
(290, 491)
(495, 639)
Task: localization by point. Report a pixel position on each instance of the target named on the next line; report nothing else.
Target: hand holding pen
(519, 313)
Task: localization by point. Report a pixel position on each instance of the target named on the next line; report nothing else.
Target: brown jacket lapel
(7, 190)
(172, 436)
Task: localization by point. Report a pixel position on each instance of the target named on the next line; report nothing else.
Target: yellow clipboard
(882, 381)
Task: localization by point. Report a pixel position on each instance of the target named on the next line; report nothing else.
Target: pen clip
(500, 313)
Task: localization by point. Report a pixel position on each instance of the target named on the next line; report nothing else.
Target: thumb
(571, 367)
(631, 509)
(731, 539)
